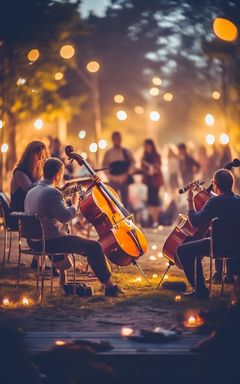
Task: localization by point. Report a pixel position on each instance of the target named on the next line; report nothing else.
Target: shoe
(229, 279)
(113, 291)
(200, 294)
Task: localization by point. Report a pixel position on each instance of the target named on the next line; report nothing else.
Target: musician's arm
(58, 208)
(206, 214)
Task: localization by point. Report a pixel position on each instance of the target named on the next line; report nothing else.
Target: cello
(183, 230)
(122, 241)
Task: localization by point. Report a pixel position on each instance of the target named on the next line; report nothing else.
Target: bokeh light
(93, 66)
(93, 147)
(67, 51)
(225, 29)
(156, 81)
(154, 91)
(82, 134)
(38, 124)
(2, 123)
(139, 110)
(168, 96)
(154, 116)
(118, 99)
(102, 144)
(210, 139)
(209, 119)
(33, 55)
(21, 81)
(58, 76)
(84, 155)
(4, 148)
(121, 115)
(216, 95)
(224, 138)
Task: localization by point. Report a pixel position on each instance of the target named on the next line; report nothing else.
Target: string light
(121, 115)
(82, 134)
(93, 66)
(93, 147)
(118, 99)
(33, 55)
(4, 148)
(154, 116)
(67, 51)
(102, 144)
(38, 124)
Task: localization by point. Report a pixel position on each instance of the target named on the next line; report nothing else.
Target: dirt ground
(141, 306)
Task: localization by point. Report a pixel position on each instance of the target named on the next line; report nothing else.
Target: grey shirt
(49, 203)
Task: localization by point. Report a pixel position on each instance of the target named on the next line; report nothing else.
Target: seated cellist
(225, 205)
(48, 202)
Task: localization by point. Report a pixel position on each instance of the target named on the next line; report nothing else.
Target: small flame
(152, 258)
(155, 275)
(25, 301)
(166, 277)
(60, 342)
(126, 331)
(6, 302)
(154, 246)
(178, 298)
(160, 255)
(138, 278)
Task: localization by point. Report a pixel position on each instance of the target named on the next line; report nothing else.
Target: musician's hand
(75, 198)
(190, 194)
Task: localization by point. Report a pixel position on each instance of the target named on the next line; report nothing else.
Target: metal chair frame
(22, 234)
(7, 246)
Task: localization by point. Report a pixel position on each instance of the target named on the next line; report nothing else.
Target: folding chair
(31, 227)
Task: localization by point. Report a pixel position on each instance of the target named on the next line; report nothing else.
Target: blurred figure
(121, 163)
(56, 150)
(153, 178)
(173, 170)
(225, 155)
(189, 167)
(204, 162)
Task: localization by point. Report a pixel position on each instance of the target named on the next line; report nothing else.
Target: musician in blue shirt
(225, 205)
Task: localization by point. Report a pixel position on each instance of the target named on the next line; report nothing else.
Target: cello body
(121, 240)
(184, 231)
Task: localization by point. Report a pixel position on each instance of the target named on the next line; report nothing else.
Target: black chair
(31, 227)
(9, 225)
(225, 245)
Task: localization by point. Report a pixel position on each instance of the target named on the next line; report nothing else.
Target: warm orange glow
(139, 110)
(60, 343)
(152, 258)
(154, 91)
(156, 81)
(154, 246)
(21, 81)
(67, 51)
(138, 279)
(38, 124)
(193, 321)
(102, 144)
(178, 298)
(2, 123)
(93, 66)
(160, 255)
(168, 96)
(33, 55)
(166, 277)
(154, 275)
(216, 95)
(126, 331)
(82, 134)
(93, 147)
(118, 99)
(225, 29)
(6, 302)
(58, 76)
(25, 301)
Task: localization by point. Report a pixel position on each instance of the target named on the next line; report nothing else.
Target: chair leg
(4, 248)
(74, 274)
(51, 276)
(223, 274)
(10, 247)
(18, 268)
(42, 280)
(195, 274)
(38, 275)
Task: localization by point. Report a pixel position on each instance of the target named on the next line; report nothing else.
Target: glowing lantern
(93, 66)
(225, 29)
(67, 51)
(25, 301)
(126, 331)
(178, 298)
(6, 302)
(33, 55)
(118, 99)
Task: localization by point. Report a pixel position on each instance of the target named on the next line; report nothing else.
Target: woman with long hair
(27, 173)
(152, 177)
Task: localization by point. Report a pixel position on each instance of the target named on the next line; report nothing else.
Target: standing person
(25, 176)
(49, 204)
(173, 170)
(225, 205)
(204, 161)
(56, 150)
(152, 177)
(187, 164)
(119, 159)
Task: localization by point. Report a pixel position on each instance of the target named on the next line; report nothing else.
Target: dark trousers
(187, 253)
(122, 189)
(76, 244)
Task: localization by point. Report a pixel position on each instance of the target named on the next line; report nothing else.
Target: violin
(183, 230)
(122, 241)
